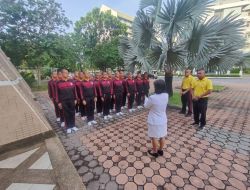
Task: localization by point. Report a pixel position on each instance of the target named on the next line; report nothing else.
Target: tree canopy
(96, 34)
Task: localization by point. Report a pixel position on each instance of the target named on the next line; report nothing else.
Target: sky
(74, 9)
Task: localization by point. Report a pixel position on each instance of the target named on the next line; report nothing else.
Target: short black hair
(160, 86)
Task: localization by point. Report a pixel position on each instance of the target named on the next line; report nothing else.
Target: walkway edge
(65, 173)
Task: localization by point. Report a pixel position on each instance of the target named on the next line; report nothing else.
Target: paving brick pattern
(113, 155)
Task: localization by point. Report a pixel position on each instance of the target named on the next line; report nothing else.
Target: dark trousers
(82, 109)
(131, 100)
(90, 107)
(68, 107)
(146, 93)
(139, 99)
(124, 98)
(186, 100)
(99, 105)
(61, 116)
(118, 102)
(57, 109)
(106, 104)
(112, 102)
(77, 108)
(200, 110)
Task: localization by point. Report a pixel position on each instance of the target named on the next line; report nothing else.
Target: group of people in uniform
(194, 95)
(84, 94)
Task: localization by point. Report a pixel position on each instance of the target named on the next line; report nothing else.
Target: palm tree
(174, 34)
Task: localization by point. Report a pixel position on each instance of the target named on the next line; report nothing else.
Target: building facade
(124, 18)
(222, 8)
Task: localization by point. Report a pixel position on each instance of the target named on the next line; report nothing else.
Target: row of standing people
(84, 94)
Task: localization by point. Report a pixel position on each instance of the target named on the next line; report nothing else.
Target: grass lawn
(175, 100)
(218, 88)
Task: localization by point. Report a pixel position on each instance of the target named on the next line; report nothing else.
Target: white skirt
(157, 131)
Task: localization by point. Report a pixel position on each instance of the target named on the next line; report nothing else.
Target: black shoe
(195, 123)
(153, 154)
(201, 127)
(181, 112)
(160, 152)
(188, 114)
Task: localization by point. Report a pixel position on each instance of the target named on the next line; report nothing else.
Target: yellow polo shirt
(201, 86)
(187, 82)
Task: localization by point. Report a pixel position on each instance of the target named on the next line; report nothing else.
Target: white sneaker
(75, 129)
(99, 114)
(121, 113)
(133, 109)
(122, 107)
(125, 107)
(62, 124)
(110, 117)
(83, 118)
(94, 122)
(89, 123)
(117, 114)
(58, 119)
(105, 117)
(77, 114)
(69, 131)
(130, 110)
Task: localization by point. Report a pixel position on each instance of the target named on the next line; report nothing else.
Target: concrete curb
(64, 171)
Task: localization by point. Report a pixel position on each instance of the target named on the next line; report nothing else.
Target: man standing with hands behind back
(186, 96)
(201, 88)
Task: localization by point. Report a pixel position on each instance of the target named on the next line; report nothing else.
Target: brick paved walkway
(113, 155)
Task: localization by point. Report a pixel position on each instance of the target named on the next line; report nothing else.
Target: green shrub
(235, 71)
(246, 71)
(28, 77)
(46, 72)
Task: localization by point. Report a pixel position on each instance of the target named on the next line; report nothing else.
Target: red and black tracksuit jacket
(66, 95)
(52, 95)
(106, 91)
(118, 91)
(88, 94)
(131, 89)
(140, 92)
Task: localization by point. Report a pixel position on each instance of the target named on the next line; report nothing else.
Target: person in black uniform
(140, 91)
(77, 106)
(106, 91)
(88, 94)
(59, 77)
(131, 91)
(124, 95)
(146, 85)
(66, 99)
(52, 94)
(118, 93)
(79, 98)
(99, 100)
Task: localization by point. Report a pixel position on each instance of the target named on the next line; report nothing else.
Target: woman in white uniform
(157, 117)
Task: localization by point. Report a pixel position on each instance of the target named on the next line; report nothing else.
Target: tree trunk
(39, 76)
(169, 82)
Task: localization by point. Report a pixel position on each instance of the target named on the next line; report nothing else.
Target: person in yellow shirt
(185, 92)
(201, 88)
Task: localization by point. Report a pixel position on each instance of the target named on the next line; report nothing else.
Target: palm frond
(178, 14)
(143, 30)
(152, 7)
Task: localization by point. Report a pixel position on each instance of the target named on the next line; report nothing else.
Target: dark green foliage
(28, 77)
